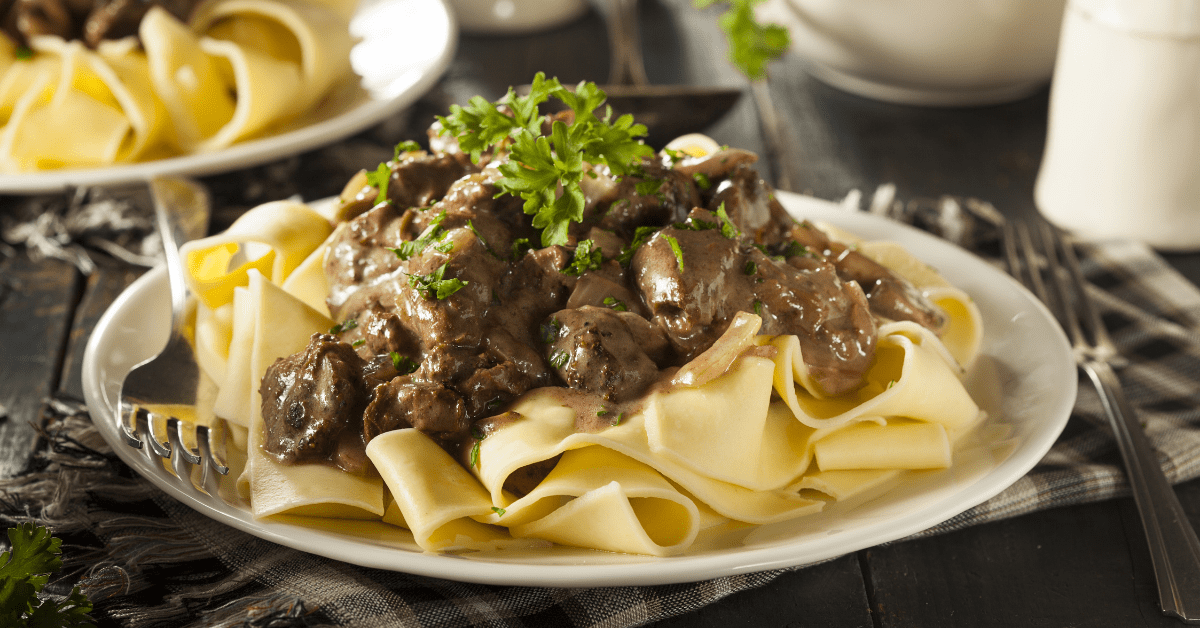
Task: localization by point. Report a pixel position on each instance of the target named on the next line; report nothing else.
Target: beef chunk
(313, 403)
(889, 295)
(406, 402)
(603, 352)
(722, 276)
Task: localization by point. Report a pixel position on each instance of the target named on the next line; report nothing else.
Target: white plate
(1025, 379)
(404, 47)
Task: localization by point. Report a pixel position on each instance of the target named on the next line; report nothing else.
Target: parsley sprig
(751, 45)
(24, 571)
(545, 170)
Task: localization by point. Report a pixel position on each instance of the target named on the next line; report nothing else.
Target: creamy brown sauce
(660, 278)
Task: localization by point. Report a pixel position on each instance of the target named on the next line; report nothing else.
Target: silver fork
(171, 378)
(1044, 260)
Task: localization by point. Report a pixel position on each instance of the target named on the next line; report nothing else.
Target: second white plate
(403, 47)
(1025, 379)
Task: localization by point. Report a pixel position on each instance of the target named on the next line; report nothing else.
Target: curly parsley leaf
(751, 45)
(434, 285)
(24, 571)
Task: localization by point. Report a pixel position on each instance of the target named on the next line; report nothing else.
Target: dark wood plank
(829, 594)
(36, 305)
(1067, 566)
(100, 289)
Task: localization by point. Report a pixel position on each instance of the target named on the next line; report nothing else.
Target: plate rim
(652, 571)
(256, 151)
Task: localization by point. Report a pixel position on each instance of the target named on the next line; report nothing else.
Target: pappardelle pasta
(146, 80)
(692, 357)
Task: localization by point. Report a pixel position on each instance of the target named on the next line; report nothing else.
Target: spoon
(668, 111)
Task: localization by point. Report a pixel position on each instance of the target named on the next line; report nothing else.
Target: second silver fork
(1045, 261)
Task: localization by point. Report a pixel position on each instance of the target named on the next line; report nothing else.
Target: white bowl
(515, 17)
(926, 52)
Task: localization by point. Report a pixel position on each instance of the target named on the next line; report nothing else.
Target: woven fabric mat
(146, 560)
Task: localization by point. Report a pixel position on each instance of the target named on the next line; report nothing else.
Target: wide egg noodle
(723, 429)
(35, 136)
(274, 239)
(308, 281)
(310, 35)
(213, 339)
(895, 445)
(236, 385)
(435, 497)
(911, 377)
(186, 78)
(545, 428)
(125, 68)
(283, 326)
(597, 498)
(963, 332)
(269, 91)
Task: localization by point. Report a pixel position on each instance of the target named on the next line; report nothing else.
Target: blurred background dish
(925, 52)
(1122, 153)
(403, 47)
(515, 17)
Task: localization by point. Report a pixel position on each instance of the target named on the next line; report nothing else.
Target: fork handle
(1174, 548)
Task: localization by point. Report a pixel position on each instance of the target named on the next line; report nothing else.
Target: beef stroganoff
(665, 351)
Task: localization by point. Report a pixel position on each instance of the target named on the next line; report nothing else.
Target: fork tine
(204, 437)
(175, 433)
(148, 428)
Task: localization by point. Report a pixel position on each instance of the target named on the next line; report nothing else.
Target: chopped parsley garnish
(616, 304)
(588, 256)
(750, 268)
(617, 419)
(23, 52)
(758, 307)
(478, 436)
(649, 187)
(378, 179)
(540, 165)
(358, 343)
(498, 510)
(673, 156)
(560, 359)
(434, 285)
(433, 233)
(24, 571)
(602, 413)
(676, 250)
(345, 325)
(640, 237)
(520, 246)
(751, 45)
(549, 331)
(795, 249)
(481, 239)
(407, 146)
(403, 364)
(728, 229)
(702, 180)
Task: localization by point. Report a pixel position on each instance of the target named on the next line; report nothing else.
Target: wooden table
(1073, 566)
